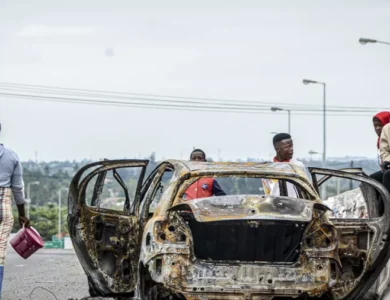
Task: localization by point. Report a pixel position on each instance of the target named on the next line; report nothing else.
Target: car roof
(226, 167)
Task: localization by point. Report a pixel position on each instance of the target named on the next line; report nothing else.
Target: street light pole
(28, 200)
(365, 41)
(59, 211)
(324, 129)
(289, 120)
(288, 114)
(308, 81)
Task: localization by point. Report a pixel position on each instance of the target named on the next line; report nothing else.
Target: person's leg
(1, 279)
(6, 223)
(377, 176)
(386, 179)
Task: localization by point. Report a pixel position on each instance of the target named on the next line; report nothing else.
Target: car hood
(250, 207)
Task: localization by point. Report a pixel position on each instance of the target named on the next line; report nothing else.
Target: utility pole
(337, 186)
(59, 210)
(308, 81)
(350, 181)
(28, 200)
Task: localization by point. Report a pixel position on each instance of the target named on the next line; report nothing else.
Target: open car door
(103, 221)
(361, 214)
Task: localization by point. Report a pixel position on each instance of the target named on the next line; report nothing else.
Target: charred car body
(245, 245)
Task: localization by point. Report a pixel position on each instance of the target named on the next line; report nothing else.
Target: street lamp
(364, 41)
(274, 109)
(59, 210)
(312, 152)
(308, 81)
(28, 200)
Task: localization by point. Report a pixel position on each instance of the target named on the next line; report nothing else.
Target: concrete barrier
(68, 243)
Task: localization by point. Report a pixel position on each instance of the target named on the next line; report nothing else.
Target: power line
(119, 103)
(239, 104)
(31, 97)
(110, 93)
(152, 100)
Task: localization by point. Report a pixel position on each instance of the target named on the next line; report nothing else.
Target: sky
(248, 50)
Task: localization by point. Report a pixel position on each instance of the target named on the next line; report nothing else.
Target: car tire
(91, 289)
(153, 293)
(149, 291)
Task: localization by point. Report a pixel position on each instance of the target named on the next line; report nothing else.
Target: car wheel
(148, 291)
(91, 289)
(153, 293)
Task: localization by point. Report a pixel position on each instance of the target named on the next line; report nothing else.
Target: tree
(44, 219)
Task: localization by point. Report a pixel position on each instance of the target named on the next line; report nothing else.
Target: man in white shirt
(284, 148)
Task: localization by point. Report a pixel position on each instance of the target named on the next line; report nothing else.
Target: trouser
(6, 223)
(377, 176)
(382, 177)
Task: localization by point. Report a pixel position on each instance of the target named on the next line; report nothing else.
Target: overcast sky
(249, 50)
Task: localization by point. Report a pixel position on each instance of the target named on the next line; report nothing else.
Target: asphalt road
(56, 270)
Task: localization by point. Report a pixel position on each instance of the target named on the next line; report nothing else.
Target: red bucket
(26, 241)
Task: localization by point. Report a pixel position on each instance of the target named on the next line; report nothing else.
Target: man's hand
(24, 221)
(22, 216)
(386, 165)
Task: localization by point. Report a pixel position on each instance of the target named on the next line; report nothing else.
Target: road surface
(56, 270)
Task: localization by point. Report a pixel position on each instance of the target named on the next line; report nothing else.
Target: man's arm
(217, 190)
(17, 187)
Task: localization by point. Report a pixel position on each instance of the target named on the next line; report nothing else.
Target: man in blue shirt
(11, 182)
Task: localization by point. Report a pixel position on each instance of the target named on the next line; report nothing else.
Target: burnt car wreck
(245, 245)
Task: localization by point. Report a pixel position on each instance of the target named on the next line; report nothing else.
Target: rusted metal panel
(249, 207)
(176, 268)
(106, 242)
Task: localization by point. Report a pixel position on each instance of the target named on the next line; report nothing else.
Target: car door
(103, 221)
(364, 242)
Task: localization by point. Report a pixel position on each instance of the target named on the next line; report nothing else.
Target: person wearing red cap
(379, 121)
(385, 155)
